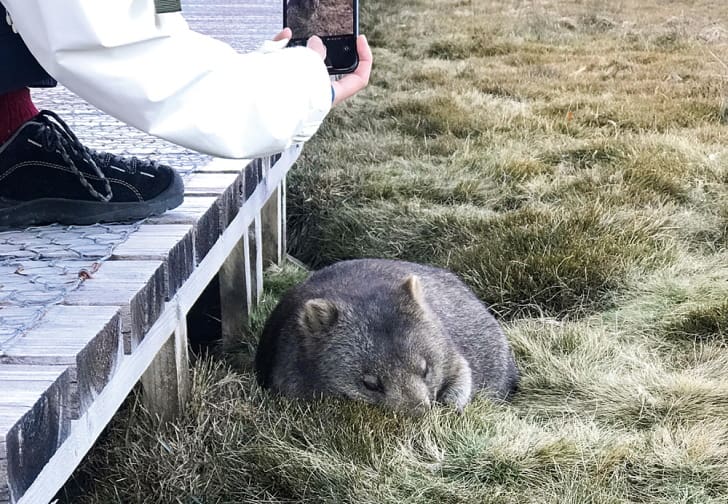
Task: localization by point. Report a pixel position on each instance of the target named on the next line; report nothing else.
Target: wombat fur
(392, 333)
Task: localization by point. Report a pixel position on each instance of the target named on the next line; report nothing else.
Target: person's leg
(47, 175)
(16, 107)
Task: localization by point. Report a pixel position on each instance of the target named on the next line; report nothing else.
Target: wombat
(308, 5)
(397, 334)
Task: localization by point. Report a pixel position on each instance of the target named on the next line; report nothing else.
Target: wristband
(333, 94)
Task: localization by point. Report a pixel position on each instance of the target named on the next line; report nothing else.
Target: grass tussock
(568, 160)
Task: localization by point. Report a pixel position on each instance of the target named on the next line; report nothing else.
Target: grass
(569, 159)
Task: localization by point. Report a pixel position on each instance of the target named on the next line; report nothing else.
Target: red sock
(16, 107)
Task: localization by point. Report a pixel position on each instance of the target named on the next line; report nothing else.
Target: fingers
(364, 70)
(352, 83)
(286, 33)
(317, 45)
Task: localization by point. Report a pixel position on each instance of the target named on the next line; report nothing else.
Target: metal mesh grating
(40, 266)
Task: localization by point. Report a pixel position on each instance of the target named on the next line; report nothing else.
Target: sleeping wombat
(393, 333)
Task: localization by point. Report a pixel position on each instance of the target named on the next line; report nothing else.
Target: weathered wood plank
(34, 422)
(172, 243)
(139, 288)
(205, 213)
(227, 187)
(210, 184)
(86, 339)
(253, 175)
(222, 165)
(189, 212)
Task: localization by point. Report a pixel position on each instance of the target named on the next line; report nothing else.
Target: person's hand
(352, 83)
(284, 34)
(316, 44)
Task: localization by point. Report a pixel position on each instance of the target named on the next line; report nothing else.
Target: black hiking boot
(47, 176)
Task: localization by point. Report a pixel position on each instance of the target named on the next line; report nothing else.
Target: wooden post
(258, 258)
(166, 380)
(235, 293)
(249, 274)
(284, 222)
(272, 222)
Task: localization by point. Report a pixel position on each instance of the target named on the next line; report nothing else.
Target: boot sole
(22, 214)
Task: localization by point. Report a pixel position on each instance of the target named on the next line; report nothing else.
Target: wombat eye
(373, 383)
(425, 369)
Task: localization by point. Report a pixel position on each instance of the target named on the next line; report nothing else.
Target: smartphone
(335, 21)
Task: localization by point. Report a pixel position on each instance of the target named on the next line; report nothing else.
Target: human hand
(317, 45)
(352, 83)
(284, 34)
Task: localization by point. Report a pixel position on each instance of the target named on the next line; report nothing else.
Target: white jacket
(151, 71)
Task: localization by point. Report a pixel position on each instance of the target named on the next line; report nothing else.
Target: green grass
(569, 160)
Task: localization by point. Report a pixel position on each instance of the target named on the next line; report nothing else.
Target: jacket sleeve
(151, 71)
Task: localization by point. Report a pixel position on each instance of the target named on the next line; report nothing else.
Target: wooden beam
(166, 380)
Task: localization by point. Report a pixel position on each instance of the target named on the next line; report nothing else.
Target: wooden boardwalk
(121, 316)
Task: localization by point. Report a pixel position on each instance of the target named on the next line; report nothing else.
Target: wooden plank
(231, 200)
(87, 339)
(34, 422)
(189, 212)
(222, 204)
(171, 243)
(228, 188)
(210, 184)
(95, 419)
(253, 176)
(222, 165)
(138, 288)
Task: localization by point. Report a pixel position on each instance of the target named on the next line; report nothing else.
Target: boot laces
(55, 135)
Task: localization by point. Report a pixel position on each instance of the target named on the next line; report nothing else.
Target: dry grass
(569, 160)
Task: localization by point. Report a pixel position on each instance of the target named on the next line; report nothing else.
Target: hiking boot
(47, 176)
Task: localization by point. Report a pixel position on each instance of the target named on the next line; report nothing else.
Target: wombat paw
(458, 400)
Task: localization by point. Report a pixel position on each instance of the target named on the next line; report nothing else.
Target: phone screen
(325, 18)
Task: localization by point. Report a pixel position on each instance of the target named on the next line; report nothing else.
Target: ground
(329, 18)
(569, 159)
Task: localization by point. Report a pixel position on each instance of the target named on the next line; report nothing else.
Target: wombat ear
(318, 315)
(412, 288)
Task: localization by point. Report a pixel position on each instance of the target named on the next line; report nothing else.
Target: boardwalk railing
(62, 380)
(88, 312)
